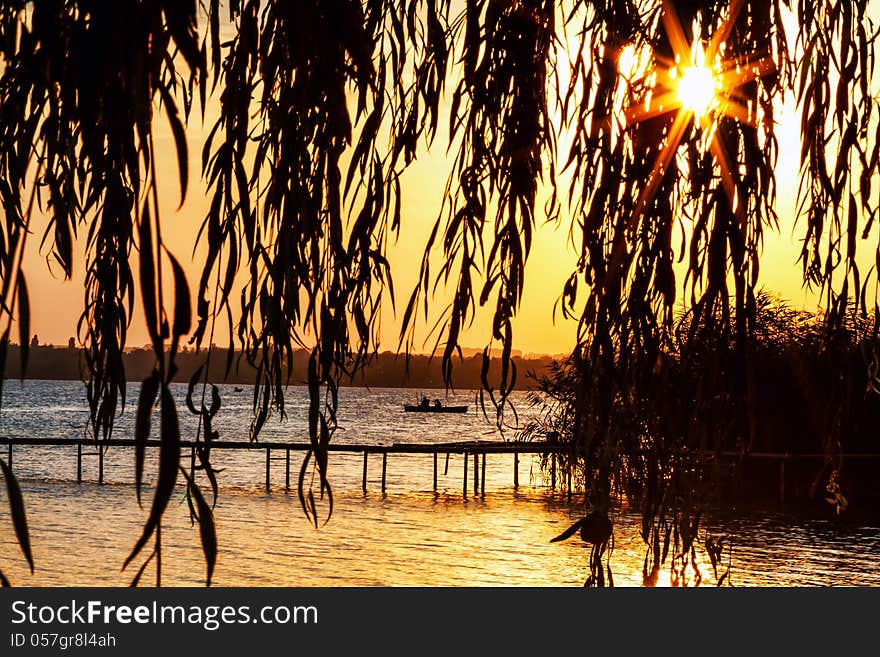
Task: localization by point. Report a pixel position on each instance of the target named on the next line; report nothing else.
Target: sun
(699, 86)
(698, 90)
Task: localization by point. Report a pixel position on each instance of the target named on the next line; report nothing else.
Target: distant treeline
(386, 370)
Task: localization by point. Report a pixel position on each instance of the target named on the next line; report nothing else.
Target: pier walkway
(476, 449)
(282, 451)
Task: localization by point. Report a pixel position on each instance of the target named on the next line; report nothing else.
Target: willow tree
(323, 106)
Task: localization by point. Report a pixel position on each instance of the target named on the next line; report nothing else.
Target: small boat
(436, 407)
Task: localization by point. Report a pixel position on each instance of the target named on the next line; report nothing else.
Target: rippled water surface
(409, 536)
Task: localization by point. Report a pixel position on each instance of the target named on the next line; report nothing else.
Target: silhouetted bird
(595, 528)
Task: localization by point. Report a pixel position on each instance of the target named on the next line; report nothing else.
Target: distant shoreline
(388, 369)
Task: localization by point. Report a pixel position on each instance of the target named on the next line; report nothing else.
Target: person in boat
(437, 404)
(424, 403)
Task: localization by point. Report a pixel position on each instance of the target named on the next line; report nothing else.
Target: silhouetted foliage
(323, 105)
(674, 428)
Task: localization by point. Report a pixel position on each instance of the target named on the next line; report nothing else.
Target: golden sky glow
(697, 84)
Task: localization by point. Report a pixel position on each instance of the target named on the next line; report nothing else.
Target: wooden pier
(479, 450)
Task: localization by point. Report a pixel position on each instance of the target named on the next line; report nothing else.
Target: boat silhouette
(437, 407)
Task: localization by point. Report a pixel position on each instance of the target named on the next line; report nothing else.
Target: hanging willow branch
(499, 109)
(638, 174)
(309, 209)
(80, 90)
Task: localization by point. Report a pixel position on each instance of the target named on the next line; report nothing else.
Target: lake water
(410, 536)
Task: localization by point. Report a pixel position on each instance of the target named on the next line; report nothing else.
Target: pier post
(384, 464)
(268, 469)
(9, 455)
(782, 480)
(476, 473)
(287, 469)
(553, 471)
(464, 479)
(100, 465)
(435, 472)
(192, 461)
(483, 477)
(365, 468)
(515, 470)
(79, 463)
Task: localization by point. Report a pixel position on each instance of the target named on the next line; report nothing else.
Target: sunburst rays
(701, 84)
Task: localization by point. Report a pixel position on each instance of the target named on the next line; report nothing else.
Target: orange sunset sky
(56, 304)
